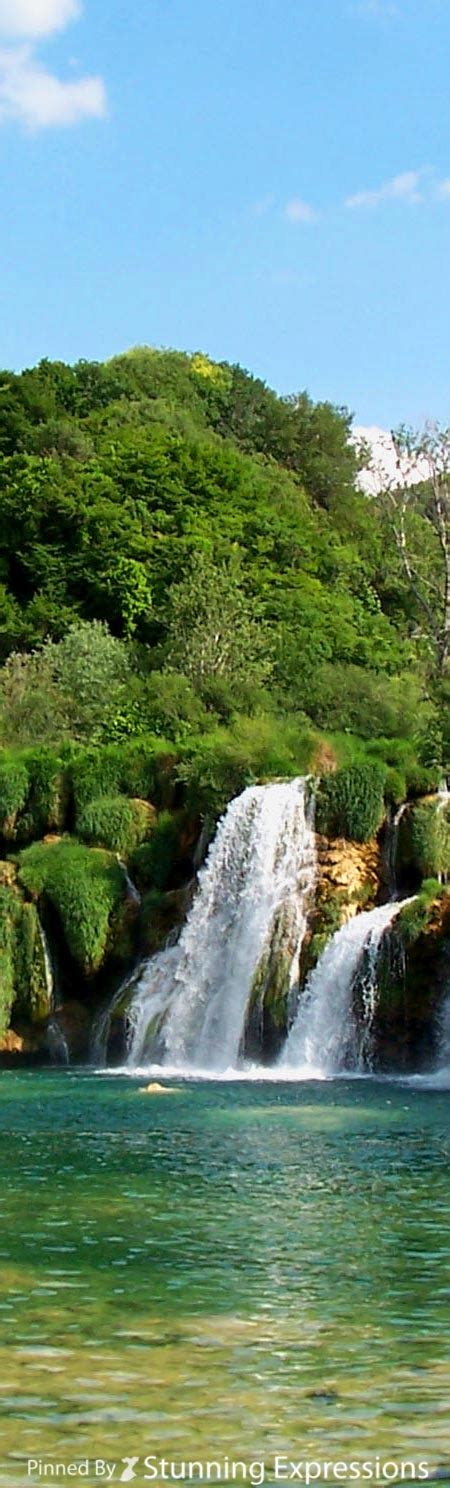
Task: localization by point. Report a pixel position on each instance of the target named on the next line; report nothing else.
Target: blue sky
(267, 180)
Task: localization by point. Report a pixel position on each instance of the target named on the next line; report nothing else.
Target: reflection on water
(246, 1268)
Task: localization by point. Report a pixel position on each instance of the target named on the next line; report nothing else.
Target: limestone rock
(351, 869)
(16, 1044)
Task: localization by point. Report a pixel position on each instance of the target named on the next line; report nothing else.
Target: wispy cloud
(32, 18)
(300, 211)
(29, 92)
(443, 189)
(405, 188)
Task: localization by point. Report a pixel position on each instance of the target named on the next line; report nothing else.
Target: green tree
(214, 632)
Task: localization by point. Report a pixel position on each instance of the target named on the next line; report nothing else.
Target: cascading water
(444, 1036)
(132, 891)
(101, 1027)
(56, 1041)
(326, 1037)
(391, 847)
(190, 1004)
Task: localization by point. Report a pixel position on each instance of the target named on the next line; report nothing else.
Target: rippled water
(241, 1267)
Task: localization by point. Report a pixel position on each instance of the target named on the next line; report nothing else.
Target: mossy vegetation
(32, 977)
(116, 822)
(14, 787)
(350, 803)
(86, 888)
(7, 949)
(416, 916)
(424, 841)
(151, 864)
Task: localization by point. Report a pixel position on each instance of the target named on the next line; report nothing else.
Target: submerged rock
(156, 1089)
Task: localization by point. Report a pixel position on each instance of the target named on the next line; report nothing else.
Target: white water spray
(326, 1038)
(190, 1005)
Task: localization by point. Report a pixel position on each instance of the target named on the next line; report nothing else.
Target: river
(243, 1267)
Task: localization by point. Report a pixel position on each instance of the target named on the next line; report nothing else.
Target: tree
(417, 500)
(68, 688)
(214, 633)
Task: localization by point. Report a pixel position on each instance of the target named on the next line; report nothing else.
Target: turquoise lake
(243, 1268)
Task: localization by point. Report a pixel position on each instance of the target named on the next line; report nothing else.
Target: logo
(129, 1473)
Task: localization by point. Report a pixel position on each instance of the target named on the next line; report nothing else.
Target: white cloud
(30, 18)
(443, 189)
(384, 469)
(300, 211)
(405, 188)
(29, 92)
(39, 100)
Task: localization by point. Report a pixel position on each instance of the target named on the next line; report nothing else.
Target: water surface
(242, 1267)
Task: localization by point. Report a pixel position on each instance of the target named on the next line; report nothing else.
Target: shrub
(212, 771)
(91, 670)
(48, 796)
(152, 863)
(95, 773)
(428, 838)
(369, 703)
(86, 887)
(220, 766)
(430, 745)
(422, 781)
(350, 803)
(395, 786)
(14, 787)
(144, 768)
(170, 707)
(116, 822)
(415, 917)
(149, 770)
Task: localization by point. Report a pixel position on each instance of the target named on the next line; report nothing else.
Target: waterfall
(56, 1041)
(327, 1036)
(101, 1027)
(391, 848)
(444, 1036)
(189, 1007)
(132, 891)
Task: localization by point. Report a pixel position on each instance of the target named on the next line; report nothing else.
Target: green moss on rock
(269, 1006)
(47, 804)
(350, 803)
(117, 823)
(14, 788)
(144, 770)
(85, 886)
(152, 863)
(33, 992)
(8, 910)
(424, 841)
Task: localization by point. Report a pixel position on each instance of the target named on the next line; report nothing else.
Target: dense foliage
(182, 548)
(194, 596)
